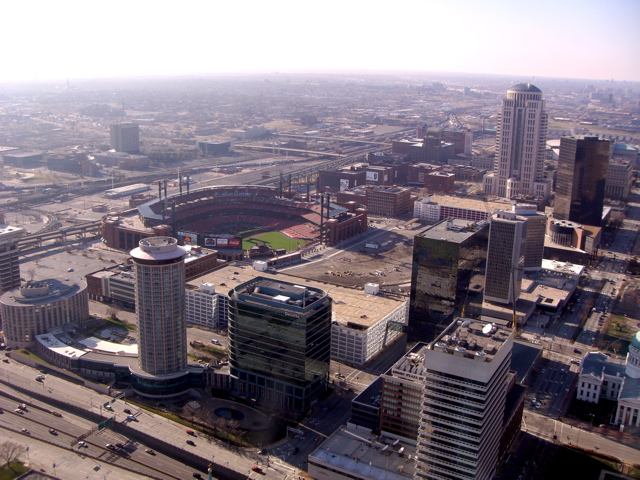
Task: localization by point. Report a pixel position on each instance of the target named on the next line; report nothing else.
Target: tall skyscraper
(9, 259)
(445, 257)
(463, 401)
(279, 342)
(520, 145)
(125, 137)
(581, 181)
(505, 257)
(160, 305)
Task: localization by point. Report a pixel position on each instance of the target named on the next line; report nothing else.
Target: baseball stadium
(247, 217)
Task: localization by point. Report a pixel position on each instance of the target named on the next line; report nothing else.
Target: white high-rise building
(463, 401)
(160, 305)
(520, 146)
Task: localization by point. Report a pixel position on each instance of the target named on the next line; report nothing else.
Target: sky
(69, 39)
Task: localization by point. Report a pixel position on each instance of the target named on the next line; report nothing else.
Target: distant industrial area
(308, 276)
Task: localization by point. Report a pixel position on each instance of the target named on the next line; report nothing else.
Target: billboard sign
(372, 176)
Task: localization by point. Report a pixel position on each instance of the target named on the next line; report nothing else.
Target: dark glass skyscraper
(280, 342)
(445, 257)
(582, 175)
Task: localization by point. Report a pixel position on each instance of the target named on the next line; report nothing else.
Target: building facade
(202, 306)
(505, 258)
(125, 137)
(619, 179)
(463, 404)
(279, 343)
(582, 177)
(38, 307)
(160, 306)
(9, 256)
(401, 396)
(445, 257)
(520, 145)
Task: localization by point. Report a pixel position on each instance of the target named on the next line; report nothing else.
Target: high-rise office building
(534, 241)
(463, 403)
(9, 256)
(505, 257)
(581, 179)
(520, 145)
(401, 395)
(160, 305)
(279, 342)
(445, 257)
(125, 137)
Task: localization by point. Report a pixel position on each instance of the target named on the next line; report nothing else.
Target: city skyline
(498, 37)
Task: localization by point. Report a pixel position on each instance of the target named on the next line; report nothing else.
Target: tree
(31, 273)
(10, 452)
(112, 313)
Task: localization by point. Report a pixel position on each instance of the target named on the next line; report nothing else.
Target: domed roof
(525, 87)
(635, 341)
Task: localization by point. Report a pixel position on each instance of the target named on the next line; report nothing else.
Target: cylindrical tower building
(160, 292)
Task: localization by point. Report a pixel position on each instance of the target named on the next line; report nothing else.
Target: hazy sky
(597, 39)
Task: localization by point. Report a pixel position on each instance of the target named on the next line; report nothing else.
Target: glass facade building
(279, 343)
(582, 176)
(445, 257)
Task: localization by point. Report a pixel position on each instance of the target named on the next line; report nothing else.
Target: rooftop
(470, 203)
(455, 230)
(350, 306)
(353, 450)
(473, 339)
(525, 87)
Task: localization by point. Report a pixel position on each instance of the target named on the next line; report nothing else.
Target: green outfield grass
(274, 240)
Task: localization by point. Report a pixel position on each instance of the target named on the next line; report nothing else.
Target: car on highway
(191, 442)
(25, 431)
(120, 445)
(191, 432)
(1, 410)
(256, 469)
(126, 410)
(216, 342)
(17, 410)
(196, 475)
(83, 445)
(5, 360)
(53, 431)
(150, 452)
(110, 447)
(131, 418)
(109, 407)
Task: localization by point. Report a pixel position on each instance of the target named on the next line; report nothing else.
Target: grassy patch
(634, 471)
(571, 463)
(602, 411)
(7, 473)
(618, 336)
(99, 324)
(274, 240)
